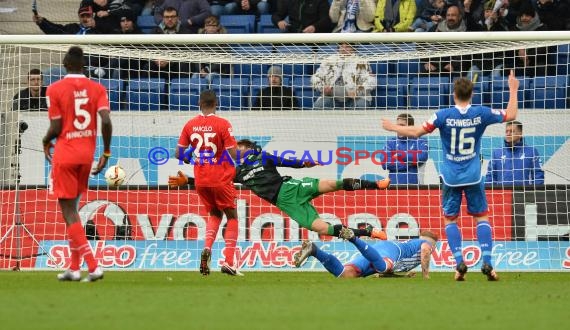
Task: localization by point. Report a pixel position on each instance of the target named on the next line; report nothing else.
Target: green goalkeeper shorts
(295, 200)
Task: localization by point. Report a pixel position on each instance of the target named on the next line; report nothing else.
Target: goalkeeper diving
(257, 170)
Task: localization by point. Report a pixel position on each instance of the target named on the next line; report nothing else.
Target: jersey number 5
(466, 144)
(205, 141)
(81, 113)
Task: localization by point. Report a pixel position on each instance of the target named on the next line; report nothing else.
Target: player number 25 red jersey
(210, 136)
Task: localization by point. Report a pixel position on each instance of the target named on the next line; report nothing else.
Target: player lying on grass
(257, 171)
(382, 257)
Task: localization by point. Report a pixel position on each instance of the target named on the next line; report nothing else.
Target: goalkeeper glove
(308, 163)
(177, 181)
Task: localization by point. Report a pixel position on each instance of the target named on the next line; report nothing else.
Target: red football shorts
(218, 198)
(68, 181)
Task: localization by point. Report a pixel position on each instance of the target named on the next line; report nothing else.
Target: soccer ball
(115, 176)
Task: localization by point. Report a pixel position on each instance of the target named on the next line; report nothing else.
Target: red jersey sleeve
(102, 99)
(228, 136)
(184, 139)
(429, 125)
(54, 107)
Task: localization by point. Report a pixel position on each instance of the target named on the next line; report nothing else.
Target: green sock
(334, 230)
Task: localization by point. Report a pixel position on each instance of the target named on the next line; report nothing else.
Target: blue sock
(330, 262)
(484, 236)
(370, 254)
(454, 240)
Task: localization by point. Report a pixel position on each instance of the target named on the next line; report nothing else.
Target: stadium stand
(238, 23)
(185, 93)
(146, 23)
(146, 94)
(114, 89)
(265, 25)
(428, 92)
(391, 92)
(498, 88)
(550, 92)
(232, 92)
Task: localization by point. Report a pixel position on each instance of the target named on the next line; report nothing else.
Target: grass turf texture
(299, 300)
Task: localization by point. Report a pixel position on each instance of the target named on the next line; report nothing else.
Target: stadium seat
(391, 92)
(185, 93)
(265, 25)
(53, 74)
(114, 89)
(549, 92)
(330, 49)
(146, 23)
(499, 92)
(292, 53)
(372, 49)
(238, 23)
(381, 67)
(563, 60)
(408, 67)
(303, 89)
(231, 92)
(428, 92)
(145, 94)
(250, 67)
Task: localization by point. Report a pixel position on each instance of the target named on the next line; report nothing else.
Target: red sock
(231, 241)
(212, 227)
(77, 234)
(75, 260)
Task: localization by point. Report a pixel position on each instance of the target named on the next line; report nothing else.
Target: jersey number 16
(465, 144)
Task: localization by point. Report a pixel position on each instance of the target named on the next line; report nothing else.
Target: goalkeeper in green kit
(257, 170)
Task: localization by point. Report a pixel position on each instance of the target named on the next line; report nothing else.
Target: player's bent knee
(450, 218)
(349, 272)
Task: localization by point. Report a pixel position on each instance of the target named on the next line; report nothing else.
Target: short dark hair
(170, 9)
(527, 9)
(432, 235)
(407, 117)
(463, 89)
(249, 144)
(516, 123)
(208, 98)
(34, 72)
(73, 60)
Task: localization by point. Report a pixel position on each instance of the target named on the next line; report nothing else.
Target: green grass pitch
(289, 300)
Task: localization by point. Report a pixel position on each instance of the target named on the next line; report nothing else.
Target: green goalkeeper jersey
(258, 172)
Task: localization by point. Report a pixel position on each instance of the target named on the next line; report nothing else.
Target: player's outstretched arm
(107, 133)
(52, 132)
(286, 162)
(409, 131)
(513, 105)
(425, 258)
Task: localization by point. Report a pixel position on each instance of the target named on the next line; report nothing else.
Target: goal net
(336, 88)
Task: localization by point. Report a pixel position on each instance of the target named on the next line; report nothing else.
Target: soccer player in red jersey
(73, 104)
(212, 142)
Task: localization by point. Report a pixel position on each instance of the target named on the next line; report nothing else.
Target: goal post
(154, 84)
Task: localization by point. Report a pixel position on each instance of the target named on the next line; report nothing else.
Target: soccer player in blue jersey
(460, 129)
(383, 257)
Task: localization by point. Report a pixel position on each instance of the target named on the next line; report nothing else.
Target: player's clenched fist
(177, 181)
